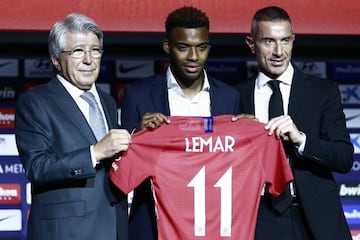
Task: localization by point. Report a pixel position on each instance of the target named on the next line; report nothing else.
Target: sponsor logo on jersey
(10, 220)
(352, 213)
(352, 116)
(7, 117)
(350, 93)
(10, 193)
(317, 69)
(38, 68)
(134, 69)
(8, 145)
(344, 70)
(9, 68)
(7, 92)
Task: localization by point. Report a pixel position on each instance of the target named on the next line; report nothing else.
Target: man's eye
(78, 50)
(203, 47)
(183, 48)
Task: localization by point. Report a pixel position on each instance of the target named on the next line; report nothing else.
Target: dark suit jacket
(151, 95)
(70, 199)
(316, 109)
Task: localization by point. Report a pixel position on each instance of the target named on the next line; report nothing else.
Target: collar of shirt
(262, 93)
(173, 84)
(180, 105)
(75, 93)
(285, 78)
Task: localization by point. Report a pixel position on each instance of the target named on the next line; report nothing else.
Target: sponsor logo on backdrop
(10, 220)
(317, 69)
(356, 166)
(28, 193)
(352, 116)
(355, 233)
(352, 213)
(134, 69)
(14, 168)
(8, 145)
(349, 190)
(11, 165)
(350, 94)
(351, 176)
(7, 117)
(345, 70)
(7, 92)
(355, 140)
(10, 193)
(38, 68)
(9, 68)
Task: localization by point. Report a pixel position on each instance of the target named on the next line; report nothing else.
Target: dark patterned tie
(276, 109)
(96, 119)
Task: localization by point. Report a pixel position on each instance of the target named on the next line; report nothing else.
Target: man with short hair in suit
(313, 131)
(65, 161)
(184, 90)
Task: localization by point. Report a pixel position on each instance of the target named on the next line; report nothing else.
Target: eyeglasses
(80, 53)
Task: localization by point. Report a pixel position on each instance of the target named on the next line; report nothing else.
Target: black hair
(186, 17)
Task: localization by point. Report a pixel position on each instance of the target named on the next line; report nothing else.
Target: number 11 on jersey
(225, 185)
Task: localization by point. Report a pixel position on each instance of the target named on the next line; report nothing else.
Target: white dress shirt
(180, 105)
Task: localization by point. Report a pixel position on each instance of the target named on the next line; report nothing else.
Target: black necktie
(276, 109)
(276, 103)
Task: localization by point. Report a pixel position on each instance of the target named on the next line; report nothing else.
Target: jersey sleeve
(137, 163)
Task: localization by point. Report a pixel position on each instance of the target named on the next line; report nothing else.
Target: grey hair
(74, 22)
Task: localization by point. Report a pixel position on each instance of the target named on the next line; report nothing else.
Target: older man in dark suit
(65, 158)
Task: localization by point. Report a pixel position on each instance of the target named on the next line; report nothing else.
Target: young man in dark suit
(65, 159)
(312, 127)
(184, 90)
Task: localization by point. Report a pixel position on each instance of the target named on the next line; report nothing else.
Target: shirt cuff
(302, 145)
(92, 154)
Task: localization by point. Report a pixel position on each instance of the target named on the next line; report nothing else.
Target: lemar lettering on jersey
(210, 144)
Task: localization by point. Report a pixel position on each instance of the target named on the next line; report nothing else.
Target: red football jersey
(207, 173)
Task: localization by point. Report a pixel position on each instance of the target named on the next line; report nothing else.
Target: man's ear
(250, 42)
(56, 63)
(166, 46)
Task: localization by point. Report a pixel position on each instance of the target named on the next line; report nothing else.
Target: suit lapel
(247, 96)
(62, 99)
(111, 119)
(159, 95)
(299, 87)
